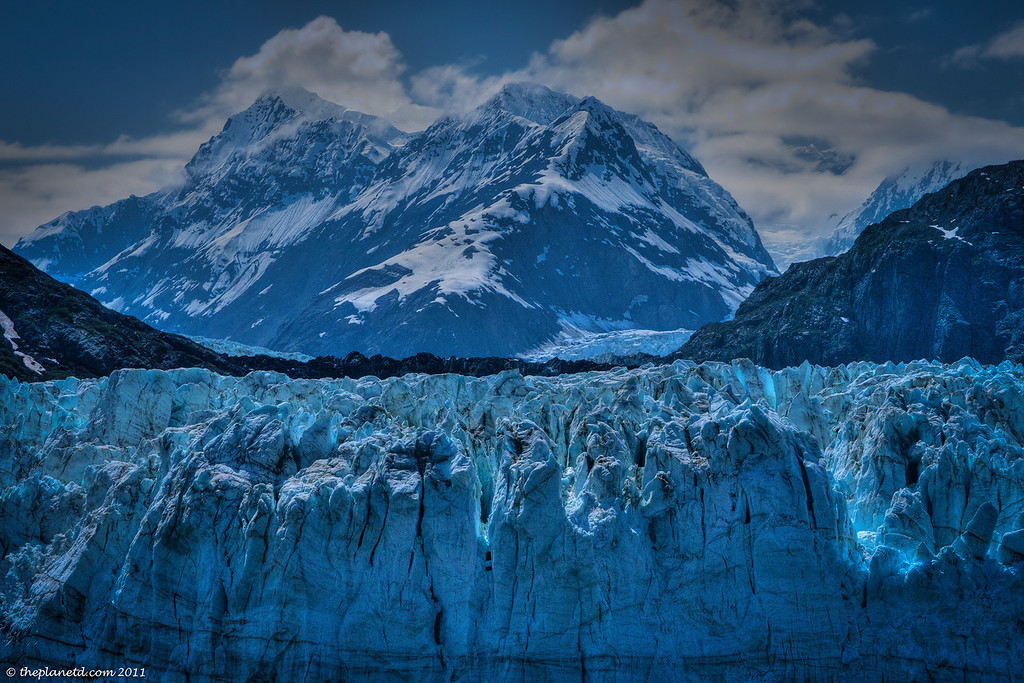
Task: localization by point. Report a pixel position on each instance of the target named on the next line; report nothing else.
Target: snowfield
(666, 523)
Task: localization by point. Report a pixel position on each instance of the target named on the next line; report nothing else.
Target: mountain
(306, 227)
(941, 280)
(671, 523)
(52, 330)
(897, 191)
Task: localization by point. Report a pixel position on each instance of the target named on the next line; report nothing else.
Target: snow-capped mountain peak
(530, 101)
(307, 227)
(897, 191)
(281, 121)
(268, 114)
(307, 104)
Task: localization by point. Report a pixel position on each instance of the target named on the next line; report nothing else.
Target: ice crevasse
(668, 523)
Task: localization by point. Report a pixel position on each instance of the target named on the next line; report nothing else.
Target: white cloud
(178, 145)
(1008, 44)
(358, 70)
(34, 194)
(742, 84)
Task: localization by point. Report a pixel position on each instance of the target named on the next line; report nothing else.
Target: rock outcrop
(668, 523)
(939, 281)
(51, 330)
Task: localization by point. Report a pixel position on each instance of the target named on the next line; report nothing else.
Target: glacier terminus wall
(668, 523)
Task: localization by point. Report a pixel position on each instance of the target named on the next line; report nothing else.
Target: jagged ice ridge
(663, 523)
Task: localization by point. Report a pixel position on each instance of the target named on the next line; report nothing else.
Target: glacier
(674, 522)
(574, 343)
(232, 348)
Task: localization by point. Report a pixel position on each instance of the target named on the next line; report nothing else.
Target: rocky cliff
(941, 280)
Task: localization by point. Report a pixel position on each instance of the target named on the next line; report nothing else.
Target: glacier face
(667, 523)
(303, 226)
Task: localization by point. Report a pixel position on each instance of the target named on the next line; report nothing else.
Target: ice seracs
(848, 522)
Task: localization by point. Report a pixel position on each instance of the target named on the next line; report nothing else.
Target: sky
(799, 108)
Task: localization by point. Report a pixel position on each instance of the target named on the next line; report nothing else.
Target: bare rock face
(670, 523)
(941, 280)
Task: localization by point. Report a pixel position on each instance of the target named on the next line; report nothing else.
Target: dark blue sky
(87, 72)
(915, 41)
(78, 72)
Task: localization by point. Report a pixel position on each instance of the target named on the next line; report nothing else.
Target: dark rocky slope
(941, 280)
(59, 332)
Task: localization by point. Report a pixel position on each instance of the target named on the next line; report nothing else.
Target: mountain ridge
(941, 280)
(899, 190)
(332, 235)
(53, 331)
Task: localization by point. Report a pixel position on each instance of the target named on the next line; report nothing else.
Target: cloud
(38, 183)
(358, 70)
(1006, 45)
(178, 145)
(745, 84)
(765, 98)
(32, 195)
(919, 15)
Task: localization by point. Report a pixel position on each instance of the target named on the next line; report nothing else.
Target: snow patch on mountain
(949, 233)
(10, 334)
(452, 260)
